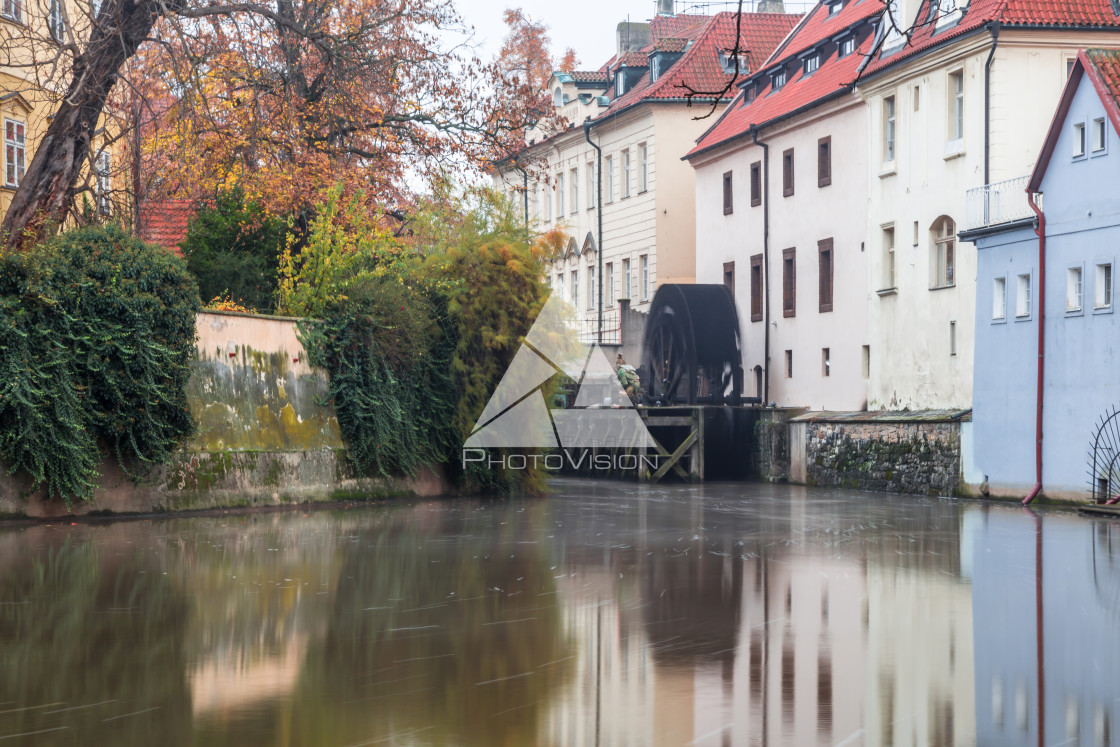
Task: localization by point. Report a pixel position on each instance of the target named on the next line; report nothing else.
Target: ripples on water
(608, 614)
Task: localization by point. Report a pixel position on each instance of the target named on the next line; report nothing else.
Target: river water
(606, 614)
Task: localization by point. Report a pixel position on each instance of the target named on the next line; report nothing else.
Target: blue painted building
(1078, 176)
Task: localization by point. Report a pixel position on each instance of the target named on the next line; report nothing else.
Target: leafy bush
(96, 335)
(233, 247)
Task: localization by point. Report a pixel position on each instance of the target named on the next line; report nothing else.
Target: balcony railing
(588, 327)
(998, 203)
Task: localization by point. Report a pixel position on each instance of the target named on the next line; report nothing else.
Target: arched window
(943, 244)
(557, 97)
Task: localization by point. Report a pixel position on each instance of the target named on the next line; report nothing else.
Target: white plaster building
(641, 120)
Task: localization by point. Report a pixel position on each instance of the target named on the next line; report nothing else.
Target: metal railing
(588, 327)
(997, 203)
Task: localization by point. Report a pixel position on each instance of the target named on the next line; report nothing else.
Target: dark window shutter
(756, 288)
(756, 183)
(787, 173)
(789, 282)
(824, 161)
(728, 203)
(826, 254)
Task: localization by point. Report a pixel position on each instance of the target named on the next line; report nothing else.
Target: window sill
(943, 287)
(756, 203)
(728, 211)
(1026, 318)
(1080, 157)
(756, 317)
(642, 191)
(1097, 153)
(1000, 320)
(887, 169)
(887, 292)
(953, 149)
(1102, 309)
(9, 187)
(1080, 311)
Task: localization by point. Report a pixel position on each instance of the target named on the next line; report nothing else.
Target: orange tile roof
(164, 222)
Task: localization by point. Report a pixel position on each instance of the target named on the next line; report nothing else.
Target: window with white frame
(608, 281)
(643, 264)
(575, 288)
(1023, 296)
(811, 63)
(547, 204)
(1099, 131)
(592, 185)
(888, 257)
(56, 21)
(559, 195)
(888, 128)
(1078, 139)
(999, 298)
(956, 105)
(609, 185)
(1102, 293)
(104, 166)
(12, 9)
(626, 173)
(847, 45)
(1073, 289)
(15, 151)
(627, 280)
(944, 236)
(778, 79)
(591, 287)
(643, 167)
(575, 190)
(895, 25)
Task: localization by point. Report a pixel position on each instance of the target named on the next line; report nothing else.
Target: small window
(15, 151)
(626, 173)
(1023, 296)
(643, 167)
(888, 129)
(789, 282)
(824, 252)
(917, 98)
(943, 254)
(13, 9)
(591, 287)
(811, 63)
(609, 186)
(778, 79)
(834, 7)
(608, 281)
(888, 258)
(787, 173)
(627, 280)
(575, 288)
(1098, 135)
(750, 90)
(824, 161)
(619, 83)
(956, 105)
(999, 298)
(952, 338)
(826, 364)
(104, 166)
(56, 21)
(592, 185)
(728, 203)
(729, 277)
(789, 364)
(643, 262)
(1073, 289)
(1079, 140)
(575, 189)
(756, 183)
(866, 362)
(847, 45)
(756, 288)
(557, 97)
(1102, 294)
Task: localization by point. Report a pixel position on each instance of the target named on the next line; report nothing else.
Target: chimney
(631, 36)
(665, 8)
(770, 6)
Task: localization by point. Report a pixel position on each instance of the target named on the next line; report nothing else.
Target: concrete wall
(264, 437)
(837, 211)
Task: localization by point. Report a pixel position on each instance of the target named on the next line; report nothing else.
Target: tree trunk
(46, 192)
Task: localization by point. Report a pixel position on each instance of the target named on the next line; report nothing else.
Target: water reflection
(609, 614)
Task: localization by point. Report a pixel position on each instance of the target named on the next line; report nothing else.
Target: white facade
(817, 353)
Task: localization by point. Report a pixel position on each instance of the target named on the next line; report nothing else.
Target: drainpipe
(1041, 231)
(599, 215)
(765, 262)
(993, 29)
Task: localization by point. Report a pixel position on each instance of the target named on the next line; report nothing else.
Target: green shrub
(96, 335)
(233, 249)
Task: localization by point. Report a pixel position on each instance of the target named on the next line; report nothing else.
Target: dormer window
(749, 91)
(654, 68)
(619, 84)
(949, 11)
(847, 45)
(558, 97)
(777, 79)
(811, 63)
(727, 62)
(834, 7)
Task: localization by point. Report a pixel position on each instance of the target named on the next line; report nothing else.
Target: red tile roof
(670, 45)
(834, 75)
(665, 26)
(164, 222)
(700, 66)
(1105, 65)
(588, 76)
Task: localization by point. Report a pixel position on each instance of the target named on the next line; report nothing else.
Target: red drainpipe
(1041, 231)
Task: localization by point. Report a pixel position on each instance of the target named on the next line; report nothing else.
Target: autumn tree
(275, 98)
